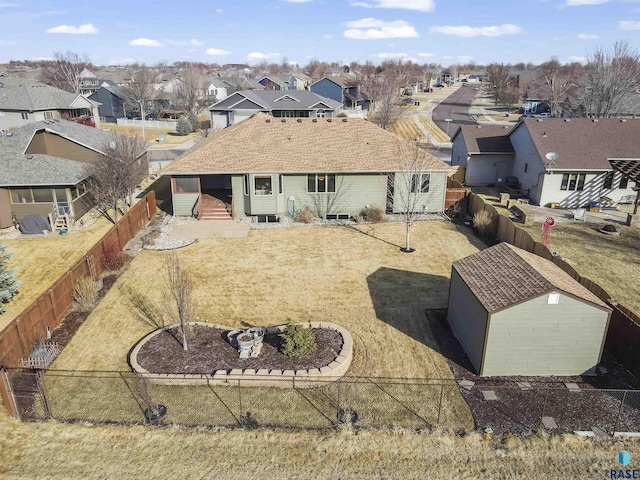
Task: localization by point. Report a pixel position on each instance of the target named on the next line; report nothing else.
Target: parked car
(428, 90)
(544, 115)
(439, 85)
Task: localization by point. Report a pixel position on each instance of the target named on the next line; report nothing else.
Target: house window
(78, 191)
(21, 195)
(526, 167)
(25, 115)
(321, 183)
(245, 184)
(42, 195)
(420, 183)
(624, 181)
(320, 114)
(262, 184)
(573, 181)
(187, 185)
(280, 184)
(48, 115)
(608, 181)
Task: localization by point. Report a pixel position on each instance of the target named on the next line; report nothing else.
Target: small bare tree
(142, 88)
(115, 174)
(191, 91)
(407, 186)
(498, 76)
(178, 295)
(66, 70)
(558, 83)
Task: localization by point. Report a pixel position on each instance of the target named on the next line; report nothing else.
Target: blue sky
(248, 31)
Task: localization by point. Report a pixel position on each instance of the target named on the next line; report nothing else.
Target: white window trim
(327, 183)
(254, 186)
(420, 183)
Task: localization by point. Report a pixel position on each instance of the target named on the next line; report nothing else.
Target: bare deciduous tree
(178, 295)
(115, 174)
(142, 88)
(609, 77)
(191, 91)
(557, 84)
(498, 76)
(408, 185)
(65, 71)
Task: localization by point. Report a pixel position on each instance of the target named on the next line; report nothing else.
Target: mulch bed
(209, 351)
(519, 411)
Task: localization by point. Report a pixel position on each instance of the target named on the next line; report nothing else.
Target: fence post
(544, 405)
(624, 396)
(239, 399)
(440, 405)
(6, 392)
(43, 391)
(338, 404)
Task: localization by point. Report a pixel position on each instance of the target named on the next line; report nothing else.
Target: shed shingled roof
(504, 275)
(298, 145)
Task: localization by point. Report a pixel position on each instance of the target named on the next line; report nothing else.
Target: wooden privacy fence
(623, 335)
(18, 338)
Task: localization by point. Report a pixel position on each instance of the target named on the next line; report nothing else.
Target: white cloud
(467, 31)
(216, 51)
(465, 58)
(577, 59)
(144, 42)
(391, 55)
(7, 43)
(42, 59)
(447, 57)
(579, 3)
(219, 10)
(628, 25)
(122, 61)
(183, 43)
(84, 29)
(328, 37)
(195, 42)
(374, 29)
(587, 36)
(419, 5)
(425, 55)
(262, 56)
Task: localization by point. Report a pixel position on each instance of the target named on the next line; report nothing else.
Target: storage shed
(516, 313)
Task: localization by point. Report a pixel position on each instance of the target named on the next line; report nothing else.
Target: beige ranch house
(266, 168)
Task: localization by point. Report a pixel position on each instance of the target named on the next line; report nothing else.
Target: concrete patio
(605, 215)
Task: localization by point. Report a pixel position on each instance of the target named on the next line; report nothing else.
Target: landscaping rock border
(255, 378)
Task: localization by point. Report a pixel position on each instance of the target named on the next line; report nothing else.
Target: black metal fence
(123, 397)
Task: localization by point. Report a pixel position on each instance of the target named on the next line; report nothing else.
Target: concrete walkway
(209, 229)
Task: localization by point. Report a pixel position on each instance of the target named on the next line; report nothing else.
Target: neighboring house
(516, 313)
(289, 104)
(582, 173)
(216, 89)
(268, 167)
(275, 82)
(112, 100)
(299, 81)
(345, 90)
(43, 169)
(23, 101)
(89, 82)
(250, 84)
(484, 151)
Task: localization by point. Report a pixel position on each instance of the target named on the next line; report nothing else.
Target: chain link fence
(123, 397)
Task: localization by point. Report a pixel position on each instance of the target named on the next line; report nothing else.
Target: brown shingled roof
(504, 275)
(486, 138)
(584, 143)
(266, 144)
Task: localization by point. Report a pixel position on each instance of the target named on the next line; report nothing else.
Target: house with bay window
(43, 170)
(267, 167)
(580, 173)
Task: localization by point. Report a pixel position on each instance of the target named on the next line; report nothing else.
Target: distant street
(455, 106)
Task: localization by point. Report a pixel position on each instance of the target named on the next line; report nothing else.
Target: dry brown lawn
(358, 280)
(40, 261)
(406, 128)
(151, 134)
(84, 451)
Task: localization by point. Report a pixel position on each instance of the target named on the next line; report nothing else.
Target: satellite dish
(552, 156)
